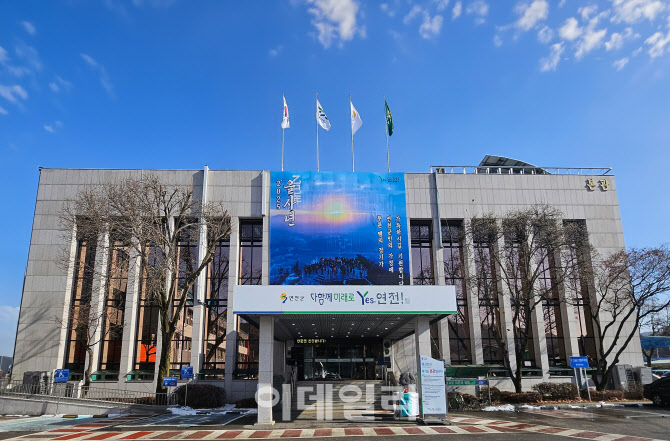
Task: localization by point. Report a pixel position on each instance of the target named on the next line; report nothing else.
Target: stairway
(343, 400)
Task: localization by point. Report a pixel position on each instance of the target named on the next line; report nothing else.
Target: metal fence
(73, 392)
(518, 170)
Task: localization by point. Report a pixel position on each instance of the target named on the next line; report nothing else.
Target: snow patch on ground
(503, 408)
(526, 406)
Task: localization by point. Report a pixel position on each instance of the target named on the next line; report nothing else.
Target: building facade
(223, 347)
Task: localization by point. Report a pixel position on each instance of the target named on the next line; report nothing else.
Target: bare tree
(163, 226)
(629, 288)
(520, 260)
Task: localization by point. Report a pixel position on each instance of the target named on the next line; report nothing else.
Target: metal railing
(73, 392)
(518, 170)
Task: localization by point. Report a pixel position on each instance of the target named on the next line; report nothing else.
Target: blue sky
(177, 84)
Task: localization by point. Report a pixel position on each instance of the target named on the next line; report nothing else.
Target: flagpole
(282, 139)
(388, 158)
(353, 168)
(317, 137)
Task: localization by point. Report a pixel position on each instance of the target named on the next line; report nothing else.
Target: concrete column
(231, 328)
(505, 311)
(98, 295)
(474, 322)
(264, 395)
(62, 342)
(130, 316)
(422, 345)
(197, 336)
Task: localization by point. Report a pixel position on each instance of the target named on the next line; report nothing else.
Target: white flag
(284, 122)
(356, 121)
(321, 117)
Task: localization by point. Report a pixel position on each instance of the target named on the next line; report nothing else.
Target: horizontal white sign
(340, 299)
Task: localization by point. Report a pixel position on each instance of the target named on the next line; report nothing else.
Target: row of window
(250, 273)
(216, 304)
(488, 300)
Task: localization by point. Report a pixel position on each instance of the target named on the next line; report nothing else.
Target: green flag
(389, 119)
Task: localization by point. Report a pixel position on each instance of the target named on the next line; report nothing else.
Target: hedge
(557, 391)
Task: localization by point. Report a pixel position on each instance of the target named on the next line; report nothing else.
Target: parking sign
(186, 372)
(62, 375)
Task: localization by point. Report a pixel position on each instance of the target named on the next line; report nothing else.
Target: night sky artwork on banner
(332, 228)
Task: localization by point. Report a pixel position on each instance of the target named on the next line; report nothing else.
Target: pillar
(422, 345)
(264, 395)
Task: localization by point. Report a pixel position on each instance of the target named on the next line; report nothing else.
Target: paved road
(604, 424)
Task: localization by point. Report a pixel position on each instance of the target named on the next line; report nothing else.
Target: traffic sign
(169, 381)
(186, 372)
(579, 362)
(62, 375)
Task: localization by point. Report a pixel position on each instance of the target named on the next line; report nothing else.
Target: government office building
(292, 231)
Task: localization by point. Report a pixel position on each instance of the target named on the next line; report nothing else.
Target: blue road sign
(481, 382)
(186, 372)
(62, 375)
(579, 362)
(169, 381)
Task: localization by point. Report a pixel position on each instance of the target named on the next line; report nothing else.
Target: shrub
(520, 398)
(200, 396)
(495, 394)
(606, 395)
(247, 403)
(459, 401)
(557, 391)
(636, 393)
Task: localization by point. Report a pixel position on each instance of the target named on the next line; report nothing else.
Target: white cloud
(457, 11)
(276, 51)
(617, 40)
(545, 35)
(334, 19)
(497, 41)
(28, 55)
(3, 111)
(531, 14)
(430, 27)
(478, 8)
(620, 64)
(587, 11)
(550, 63)
(59, 84)
(442, 5)
(9, 315)
(633, 11)
(657, 44)
(570, 30)
(105, 81)
(387, 9)
(3, 55)
(561, 3)
(13, 93)
(590, 40)
(51, 128)
(29, 27)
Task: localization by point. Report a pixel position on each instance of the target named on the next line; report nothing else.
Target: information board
(433, 391)
(169, 381)
(62, 375)
(579, 362)
(186, 372)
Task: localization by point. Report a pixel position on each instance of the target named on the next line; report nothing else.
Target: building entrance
(338, 359)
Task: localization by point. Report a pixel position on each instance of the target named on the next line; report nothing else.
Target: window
(452, 250)
(216, 307)
(521, 298)
(487, 294)
(115, 304)
(251, 273)
(551, 309)
(582, 306)
(147, 322)
(187, 250)
(80, 321)
(422, 253)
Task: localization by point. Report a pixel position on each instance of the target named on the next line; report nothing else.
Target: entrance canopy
(340, 311)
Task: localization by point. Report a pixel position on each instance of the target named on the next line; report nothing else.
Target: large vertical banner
(332, 228)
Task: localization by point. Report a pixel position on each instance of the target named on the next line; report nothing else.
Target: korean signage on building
(338, 228)
(341, 299)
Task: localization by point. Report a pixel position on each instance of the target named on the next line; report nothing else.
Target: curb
(593, 405)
